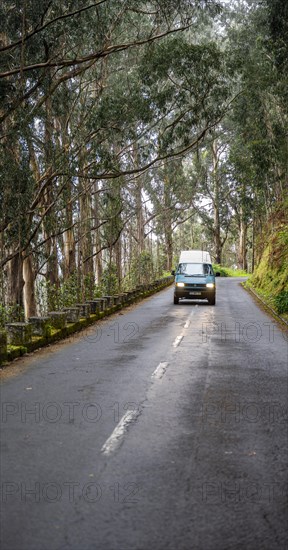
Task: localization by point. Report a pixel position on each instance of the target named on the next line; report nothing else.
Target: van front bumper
(194, 293)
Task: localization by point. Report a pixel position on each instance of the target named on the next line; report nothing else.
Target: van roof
(195, 256)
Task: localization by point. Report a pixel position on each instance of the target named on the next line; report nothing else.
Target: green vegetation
(270, 279)
(229, 271)
(10, 314)
(131, 131)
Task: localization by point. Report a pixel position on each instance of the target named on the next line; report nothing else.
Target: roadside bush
(281, 302)
(66, 293)
(11, 314)
(109, 282)
(142, 270)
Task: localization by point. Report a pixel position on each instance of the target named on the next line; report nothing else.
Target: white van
(194, 277)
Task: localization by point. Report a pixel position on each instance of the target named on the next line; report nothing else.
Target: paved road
(163, 428)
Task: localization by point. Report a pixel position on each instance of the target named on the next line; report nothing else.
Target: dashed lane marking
(177, 341)
(160, 371)
(117, 436)
(188, 322)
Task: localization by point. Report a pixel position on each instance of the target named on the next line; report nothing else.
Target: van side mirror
(173, 272)
(217, 274)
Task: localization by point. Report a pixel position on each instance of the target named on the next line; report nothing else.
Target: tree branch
(93, 56)
(44, 26)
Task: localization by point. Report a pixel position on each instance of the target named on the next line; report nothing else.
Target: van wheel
(176, 300)
(212, 301)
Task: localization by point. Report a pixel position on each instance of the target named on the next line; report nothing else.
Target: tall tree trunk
(86, 248)
(140, 227)
(140, 217)
(69, 259)
(216, 206)
(97, 235)
(50, 221)
(242, 246)
(29, 299)
(68, 239)
(15, 281)
(117, 246)
(118, 260)
(168, 235)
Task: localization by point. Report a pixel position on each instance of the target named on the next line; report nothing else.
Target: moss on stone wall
(270, 278)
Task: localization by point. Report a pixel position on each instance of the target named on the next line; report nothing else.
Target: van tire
(212, 301)
(176, 300)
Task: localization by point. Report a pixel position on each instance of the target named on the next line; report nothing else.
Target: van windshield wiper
(195, 275)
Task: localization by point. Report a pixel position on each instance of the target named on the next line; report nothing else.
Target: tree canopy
(132, 129)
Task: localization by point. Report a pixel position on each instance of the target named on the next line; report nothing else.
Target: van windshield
(193, 270)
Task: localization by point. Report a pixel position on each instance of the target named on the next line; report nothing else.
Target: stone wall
(20, 338)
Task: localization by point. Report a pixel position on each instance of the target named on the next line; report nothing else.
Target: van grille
(195, 286)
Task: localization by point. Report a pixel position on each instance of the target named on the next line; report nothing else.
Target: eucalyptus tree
(255, 128)
(171, 197)
(212, 187)
(57, 70)
(188, 94)
(259, 114)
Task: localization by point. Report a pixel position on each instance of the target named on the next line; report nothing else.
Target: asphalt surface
(163, 427)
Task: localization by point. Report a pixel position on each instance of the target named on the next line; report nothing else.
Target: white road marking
(188, 322)
(178, 341)
(115, 439)
(160, 370)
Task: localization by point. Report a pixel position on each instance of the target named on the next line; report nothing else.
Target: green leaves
(184, 83)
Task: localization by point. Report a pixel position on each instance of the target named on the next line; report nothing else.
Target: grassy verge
(277, 301)
(228, 271)
(270, 278)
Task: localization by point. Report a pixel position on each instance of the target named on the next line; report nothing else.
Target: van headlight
(180, 284)
(210, 285)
